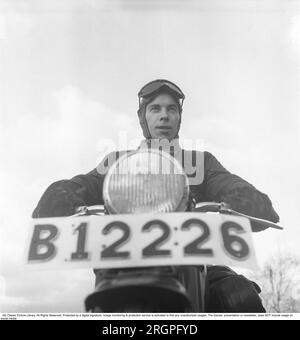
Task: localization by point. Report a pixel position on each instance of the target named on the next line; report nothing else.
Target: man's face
(162, 116)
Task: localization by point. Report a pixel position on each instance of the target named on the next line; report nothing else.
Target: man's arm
(63, 197)
(222, 186)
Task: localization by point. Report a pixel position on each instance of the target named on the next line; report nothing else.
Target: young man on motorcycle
(160, 113)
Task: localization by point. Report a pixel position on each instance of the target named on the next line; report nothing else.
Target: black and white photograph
(150, 159)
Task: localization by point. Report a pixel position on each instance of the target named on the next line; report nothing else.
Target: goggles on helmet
(155, 85)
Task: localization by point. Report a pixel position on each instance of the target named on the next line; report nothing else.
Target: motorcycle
(150, 243)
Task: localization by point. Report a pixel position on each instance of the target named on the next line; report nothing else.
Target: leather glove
(252, 202)
(58, 201)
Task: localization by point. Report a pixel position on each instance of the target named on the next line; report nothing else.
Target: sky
(69, 76)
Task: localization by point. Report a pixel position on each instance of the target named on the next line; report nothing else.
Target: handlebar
(257, 224)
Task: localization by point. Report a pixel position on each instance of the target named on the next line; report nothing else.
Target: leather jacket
(217, 184)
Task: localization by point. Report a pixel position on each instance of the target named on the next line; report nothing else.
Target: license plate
(119, 241)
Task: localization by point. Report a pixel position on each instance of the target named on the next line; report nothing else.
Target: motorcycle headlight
(147, 181)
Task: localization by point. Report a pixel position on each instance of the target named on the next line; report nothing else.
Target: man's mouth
(164, 127)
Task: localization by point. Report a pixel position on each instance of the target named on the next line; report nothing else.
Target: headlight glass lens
(147, 181)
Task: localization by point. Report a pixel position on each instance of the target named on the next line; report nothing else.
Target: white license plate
(119, 241)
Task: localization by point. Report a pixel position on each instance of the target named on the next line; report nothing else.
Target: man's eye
(154, 109)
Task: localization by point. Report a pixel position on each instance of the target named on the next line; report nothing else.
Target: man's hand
(58, 201)
(251, 202)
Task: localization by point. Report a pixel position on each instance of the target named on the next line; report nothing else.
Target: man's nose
(164, 114)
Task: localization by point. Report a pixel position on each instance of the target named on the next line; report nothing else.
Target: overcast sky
(69, 76)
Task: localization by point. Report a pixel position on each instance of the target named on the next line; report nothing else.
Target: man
(160, 113)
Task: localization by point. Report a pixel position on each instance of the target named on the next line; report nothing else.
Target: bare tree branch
(277, 282)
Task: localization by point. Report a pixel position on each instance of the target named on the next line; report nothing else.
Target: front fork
(195, 278)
